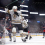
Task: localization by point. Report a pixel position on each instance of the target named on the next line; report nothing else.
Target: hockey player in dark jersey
(44, 30)
(7, 24)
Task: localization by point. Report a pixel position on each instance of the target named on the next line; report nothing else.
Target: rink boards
(32, 34)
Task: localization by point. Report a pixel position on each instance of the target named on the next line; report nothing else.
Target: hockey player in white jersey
(24, 33)
(15, 16)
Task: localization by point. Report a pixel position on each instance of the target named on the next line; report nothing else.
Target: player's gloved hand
(16, 13)
(6, 9)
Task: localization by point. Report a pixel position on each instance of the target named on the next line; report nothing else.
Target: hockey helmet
(14, 7)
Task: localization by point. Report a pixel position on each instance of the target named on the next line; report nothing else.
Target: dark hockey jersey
(7, 23)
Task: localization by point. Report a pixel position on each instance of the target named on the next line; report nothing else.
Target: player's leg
(25, 34)
(21, 34)
(20, 30)
(4, 34)
(14, 33)
(29, 35)
(10, 35)
(2, 40)
(43, 34)
(19, 26)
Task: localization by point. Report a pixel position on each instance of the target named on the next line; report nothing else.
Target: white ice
(36, 40)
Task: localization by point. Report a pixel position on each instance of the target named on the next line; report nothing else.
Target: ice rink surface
(36, 40)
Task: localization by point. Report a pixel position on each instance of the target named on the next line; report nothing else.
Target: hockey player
(25, 29)
(15, 16)
(44, 29)
(14, 34)
(7, 24)
(25, 32)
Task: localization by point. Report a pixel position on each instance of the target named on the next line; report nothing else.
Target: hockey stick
(11, 3)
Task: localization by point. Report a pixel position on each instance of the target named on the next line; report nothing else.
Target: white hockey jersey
(24, 24)
(12, 13)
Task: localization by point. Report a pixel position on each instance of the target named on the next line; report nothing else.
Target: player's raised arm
(7, 10)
